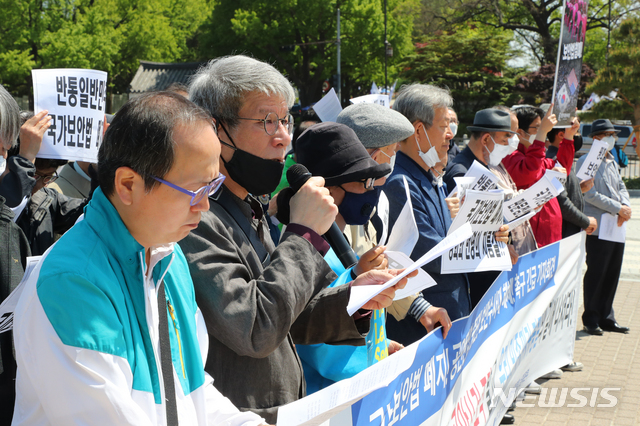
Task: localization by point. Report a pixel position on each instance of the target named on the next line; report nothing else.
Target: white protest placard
(481, 252)
(519, 221)
(595, 156)
(9, 304)
(609, 229)
(539, 193)
(328, 108)
(485, 180)
(379, 99)
(76, 101)
(363, 293)
(404, 234)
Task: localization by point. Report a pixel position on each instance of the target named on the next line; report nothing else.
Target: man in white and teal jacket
(88, 328)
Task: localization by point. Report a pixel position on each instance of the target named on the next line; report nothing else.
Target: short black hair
(527, 115)
(553, 133)
(141, 137)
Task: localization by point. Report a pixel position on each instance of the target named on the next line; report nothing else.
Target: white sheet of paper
(382, 210)
(379, 99)
(17, 210)
(462, 184)
(609, 229)
(519, 221)
(318, 407)
(539, 193)
(399, 260)
(9, 304)
(595, 156)
(328, 107)
(485, 179)
(404, 235)
(362, 294)
(562, 177)
(76, 101)
(481, 252)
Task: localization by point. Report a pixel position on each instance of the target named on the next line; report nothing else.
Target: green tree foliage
(622, 73)
(298, 37)
(471, 62)
(109, 35)
(535, 23)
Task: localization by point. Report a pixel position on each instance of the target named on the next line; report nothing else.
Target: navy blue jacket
(433, 220)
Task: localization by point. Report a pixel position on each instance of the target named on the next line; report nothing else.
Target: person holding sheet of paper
(608, 196)
(522, 239)
(380, 130)
(426, 107)
(107, 327)
(492, 139)
(572, 201)
(259, 300)
(528, 164)
(333, 151)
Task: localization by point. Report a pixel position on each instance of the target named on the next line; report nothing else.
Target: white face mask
(498, 153)
(454, 128)
(3, 164)
(392, 161)
(513, 142)
(431, 157)
(611, 140)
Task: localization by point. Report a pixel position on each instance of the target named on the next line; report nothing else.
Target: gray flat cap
(375, 125)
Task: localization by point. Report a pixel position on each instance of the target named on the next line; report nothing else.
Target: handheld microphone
(297, 176)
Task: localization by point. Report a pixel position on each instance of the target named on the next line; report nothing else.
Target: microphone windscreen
(297, 175)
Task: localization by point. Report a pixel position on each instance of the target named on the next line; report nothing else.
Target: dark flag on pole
(566, 86)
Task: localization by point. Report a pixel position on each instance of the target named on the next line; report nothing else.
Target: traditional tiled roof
(153, 76)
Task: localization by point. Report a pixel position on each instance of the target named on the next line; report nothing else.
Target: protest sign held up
(76, 101)
(569, 65)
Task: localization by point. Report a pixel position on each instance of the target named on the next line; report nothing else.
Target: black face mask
(577, 142)
(255, 174)
(356, 209)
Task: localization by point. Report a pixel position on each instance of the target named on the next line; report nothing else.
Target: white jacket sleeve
(62, 385)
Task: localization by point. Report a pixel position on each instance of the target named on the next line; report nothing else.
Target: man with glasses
(608, 195)
(257, 299)
(107, 328)
(43, 213)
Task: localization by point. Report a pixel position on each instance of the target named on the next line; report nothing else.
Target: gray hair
(221, 85)
(9, 118)
(418, 102)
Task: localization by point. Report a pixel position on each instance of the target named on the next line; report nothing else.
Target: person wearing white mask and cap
(604, 258)
(381, 130)
(418, 159)
(492, 139)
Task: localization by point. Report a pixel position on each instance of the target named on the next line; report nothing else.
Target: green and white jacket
(86, 333)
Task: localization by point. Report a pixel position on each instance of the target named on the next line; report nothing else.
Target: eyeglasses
(47, 179)
(197, 196)
(368, 183)
(271, 122)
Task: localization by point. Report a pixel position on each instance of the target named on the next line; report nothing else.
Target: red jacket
(527, 166)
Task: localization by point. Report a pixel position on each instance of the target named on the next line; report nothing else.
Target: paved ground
(610, 361)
